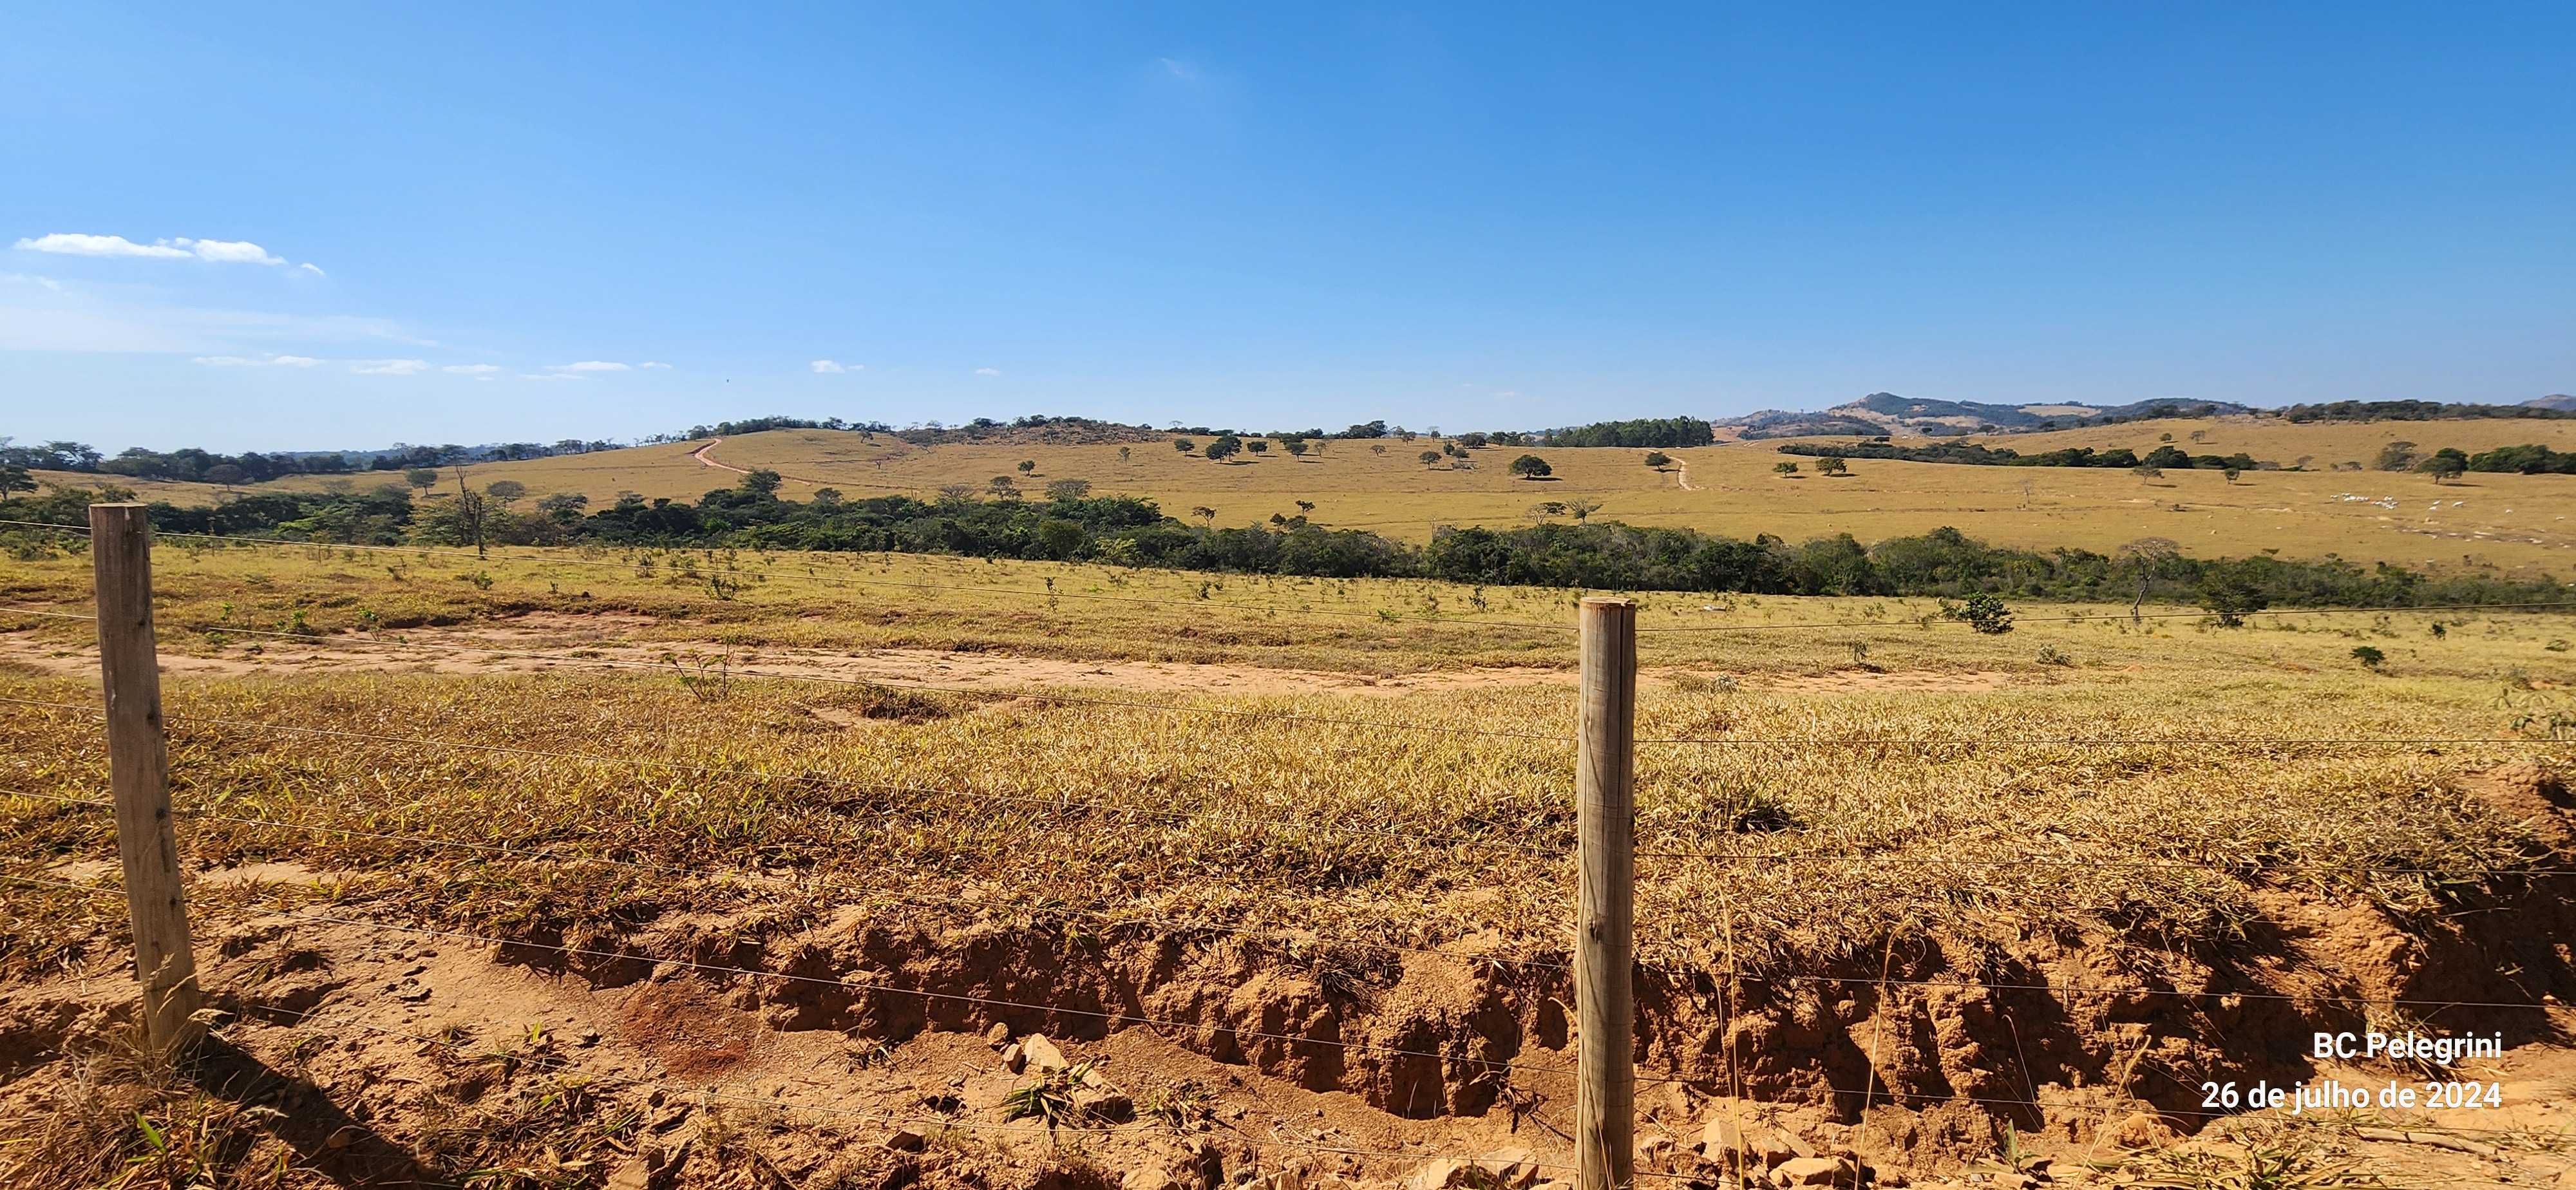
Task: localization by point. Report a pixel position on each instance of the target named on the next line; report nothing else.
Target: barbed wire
(1055, 803)
(1379, 617)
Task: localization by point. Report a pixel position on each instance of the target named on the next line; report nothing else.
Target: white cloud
(229, 251)
(32, 279)
(248, 361)
(471, 369)
(830, 367)
(988, 371)
(654, 365)
(550, 376)
(315, 269)
(67, 243)
(388, 367)
(592, 365)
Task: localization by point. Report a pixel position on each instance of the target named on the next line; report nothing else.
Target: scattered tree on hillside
(760, 481)
(2396, 456)
(1833, 465)
(2144, 561)
(224, 475)
(423, 478)
(1028, 465)
(1184, 445)
(1204, 513)
(1122, 454)
(1582, 507)
(2147, 472)
(1377, 448)
(1222, 449)
(1257, 445)
(1305, 506)
(2370, 658)
(1065, 491)
(827, 497)
(1004, 485)
(14, 478)
(1296, 447)
(1428, 458)
(1532, 467)
(1785, 468)
(507, 491)
(2447, 463)
(1658, 459)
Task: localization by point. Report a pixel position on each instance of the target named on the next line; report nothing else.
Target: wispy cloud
(480, 371)
(72, 243)
(551, 376)
(1184, 71)
(833, 367)
(654, 365)
(313, 268)
(388, 367)
(988, 371)
(259, 361)
(594, 365)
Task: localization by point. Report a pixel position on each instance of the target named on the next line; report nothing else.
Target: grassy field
(2519, 524)
(617, 752)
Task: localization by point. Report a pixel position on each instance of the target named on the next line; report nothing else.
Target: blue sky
(1466, 216)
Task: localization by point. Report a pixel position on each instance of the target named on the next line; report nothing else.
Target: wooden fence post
(120, 550)
(1605, 1096)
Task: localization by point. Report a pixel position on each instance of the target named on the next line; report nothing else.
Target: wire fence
(1500, 1060)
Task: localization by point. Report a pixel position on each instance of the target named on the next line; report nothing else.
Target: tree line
(2167, 456)
(1069, 524)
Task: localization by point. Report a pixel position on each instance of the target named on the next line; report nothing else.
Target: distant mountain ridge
(1888, 413)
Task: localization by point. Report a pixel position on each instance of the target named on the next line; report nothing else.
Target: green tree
(1204, 513)
(1122, 454)
(1257, 445)
(1296, 447)
(1833, 465)
(2144, 561)
(423, 478)
(1658, 459)
(1531, 467)
(1059, 537)
(2446, 463)
(1223, 448)
(1785, 468)
(1184, 445)
(1428, 457)
(505, 490)
(2230, 594)
(224, 475)
(759, 481)
(827, 497)
(2369, 657)
(1065, 491)
(2396, 456)
(1985, 613)
(2147, 472)
(14, 478)
(1028, 465)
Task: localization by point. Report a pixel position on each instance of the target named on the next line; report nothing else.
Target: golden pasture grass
(1813, 816)
(2520, 523)
(216, 598)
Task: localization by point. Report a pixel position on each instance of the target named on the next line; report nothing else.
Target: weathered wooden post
(120, 550)
(1605, 1096)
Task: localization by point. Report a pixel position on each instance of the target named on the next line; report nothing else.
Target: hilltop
(1888, 413)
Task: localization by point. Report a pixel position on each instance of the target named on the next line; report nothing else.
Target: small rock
(998, 1036)
(2141, 1130)
(1014, 1059)
(1286, 1179)
(1813, 1171)
(1042, 1053)
(1719, 1138)
(1514, 1168)
(1447, 1173)
(905, 1139)
(414, 996)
